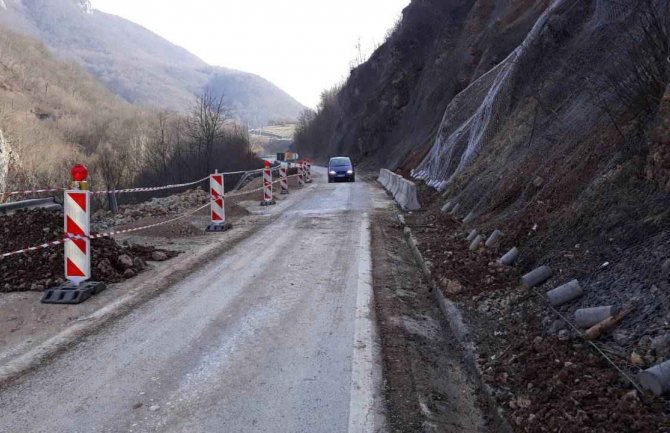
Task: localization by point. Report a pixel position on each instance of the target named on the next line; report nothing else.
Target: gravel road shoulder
(426, 385)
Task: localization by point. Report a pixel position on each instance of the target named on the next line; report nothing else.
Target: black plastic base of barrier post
(68, 293)
(218, 228)
(268, 203)
(284, 192)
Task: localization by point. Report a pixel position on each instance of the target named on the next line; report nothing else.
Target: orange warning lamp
(268, 164)
(79, 175)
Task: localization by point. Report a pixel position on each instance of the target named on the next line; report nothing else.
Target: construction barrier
(77, 237)
(308, 172)
(283, 176)
(217, 204)
(403, 190)
(301, 173)
(267, 185)
(77, 252)
(384, 178)
(77, 227)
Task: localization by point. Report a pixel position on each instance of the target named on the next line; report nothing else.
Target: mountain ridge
(138, 64)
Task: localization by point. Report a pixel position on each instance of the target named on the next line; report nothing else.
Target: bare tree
(205, 126)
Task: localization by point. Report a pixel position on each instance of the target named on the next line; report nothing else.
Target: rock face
(4, 161)
(536, 113)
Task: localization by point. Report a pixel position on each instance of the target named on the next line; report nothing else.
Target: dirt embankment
(37, 270)
(427, 387)
(545, 376)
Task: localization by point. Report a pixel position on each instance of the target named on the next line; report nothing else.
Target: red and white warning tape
(101, 235)
(155, 188)
(128, 190)
(120, 232)
(35, 248)
(32, 191)
(150, 226)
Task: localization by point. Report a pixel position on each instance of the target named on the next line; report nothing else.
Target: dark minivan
(341, 168)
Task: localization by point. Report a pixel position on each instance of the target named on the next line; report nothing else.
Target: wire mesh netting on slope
(476, 115)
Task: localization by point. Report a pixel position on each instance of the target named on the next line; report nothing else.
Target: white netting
(474, 117)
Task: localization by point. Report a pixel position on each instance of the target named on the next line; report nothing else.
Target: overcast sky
(303, 46)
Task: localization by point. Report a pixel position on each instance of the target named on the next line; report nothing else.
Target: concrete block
(473, 234)
(469, 218)
(447, 206)
(493, 240)
(455, 209)
(587, 317)
(384, 177)
(407, 195)
(394, 184)
(511, 257)
(476, 243)
(565, 293)
(536, 276)
(656, 379)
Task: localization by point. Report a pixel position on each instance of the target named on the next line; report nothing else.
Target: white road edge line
(362, 413)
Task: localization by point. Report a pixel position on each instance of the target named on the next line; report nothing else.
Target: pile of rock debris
(38, 270)
(171, 206)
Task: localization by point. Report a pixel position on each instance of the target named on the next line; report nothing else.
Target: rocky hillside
(139, 65)
(532, 112)
(547, 120)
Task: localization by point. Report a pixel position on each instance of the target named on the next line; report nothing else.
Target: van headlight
(350, 172)
(331, 172)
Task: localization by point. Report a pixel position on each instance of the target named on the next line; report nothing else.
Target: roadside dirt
(26, 323)
(545, 377)
(111, 262)
(427, 388)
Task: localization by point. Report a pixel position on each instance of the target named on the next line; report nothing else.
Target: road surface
(273, 336)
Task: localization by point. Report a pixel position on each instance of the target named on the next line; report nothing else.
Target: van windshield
(339, 162)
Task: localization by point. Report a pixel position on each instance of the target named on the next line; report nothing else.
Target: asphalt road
(273, 336)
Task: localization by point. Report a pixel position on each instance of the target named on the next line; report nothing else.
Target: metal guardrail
(38, 203)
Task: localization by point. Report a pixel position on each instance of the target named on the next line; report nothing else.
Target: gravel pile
(171, 206)
(38, 270)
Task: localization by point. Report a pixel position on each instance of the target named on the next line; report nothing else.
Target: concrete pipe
(565, 293)
(536, 276)
(447, 206)
(656, 379)
(469, 218)
(473, 234)
(587, 317)
(493, 240)
(511, 257)
(476, 242)
(455, 209)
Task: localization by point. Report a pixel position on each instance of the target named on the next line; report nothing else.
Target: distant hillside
(139, 65)
(51, 107)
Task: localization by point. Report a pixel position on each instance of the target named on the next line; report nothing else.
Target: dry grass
(49, 111)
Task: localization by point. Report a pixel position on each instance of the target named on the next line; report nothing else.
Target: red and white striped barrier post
(267, 185)
(283, 175)
(217, 193)
(308, 172)
(301, 174)
(77, 209)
